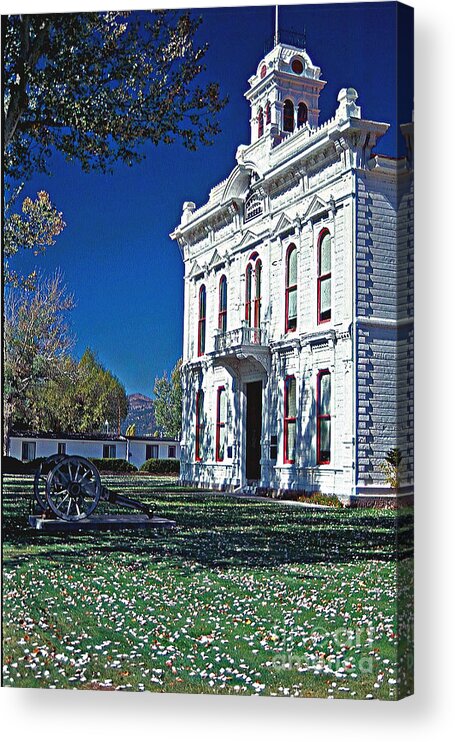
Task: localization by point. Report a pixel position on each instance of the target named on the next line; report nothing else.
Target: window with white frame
(28, 450)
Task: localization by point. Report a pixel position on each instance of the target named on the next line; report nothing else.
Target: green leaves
(168, 402)
(33, 229)
(97, 86)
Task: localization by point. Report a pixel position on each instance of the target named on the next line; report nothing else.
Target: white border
(42, 715)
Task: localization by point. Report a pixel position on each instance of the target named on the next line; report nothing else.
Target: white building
(297, 356)
(136, 450)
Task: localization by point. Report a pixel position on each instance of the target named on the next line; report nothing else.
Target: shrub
(161, 466)
(318, 498)
(114, 466)
(11, 465)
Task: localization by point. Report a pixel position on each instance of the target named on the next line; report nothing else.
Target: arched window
(253, 299)
(263, 71)
(248, 288)
(288, 115)
(290, 419)
(222, 304)
(260, 123)
(324, 277)
(199, 425)
(253, 206)
(201, 322)
(302, 115)
(268, 112)
(221, 414)
(291, 289)
(323, 406)
(257, 293)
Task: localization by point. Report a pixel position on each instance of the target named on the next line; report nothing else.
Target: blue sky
(115, 253)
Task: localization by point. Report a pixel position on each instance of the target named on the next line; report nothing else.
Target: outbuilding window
(109, 451)
(151, 451)
(28, 450)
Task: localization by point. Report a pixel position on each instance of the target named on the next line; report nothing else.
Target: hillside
(140, 412)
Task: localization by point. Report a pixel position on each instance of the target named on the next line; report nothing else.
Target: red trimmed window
(290, 419)
(248, 287)
(288, 115)
(323, 406)
(324, 277)
(263, 71)
(201, 322)
(291, 289)
(268, 113)
(302, 115)
(222, 305)
(257, 293)
(260, 123)
(199, 424)
(221, 410)
(297, 66)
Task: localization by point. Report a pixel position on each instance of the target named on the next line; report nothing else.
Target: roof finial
(276, 25)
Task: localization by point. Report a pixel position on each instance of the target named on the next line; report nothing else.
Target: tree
(33, 229)
(391, 467)
(80, 401)
(37, 340)
(168, 402)
(96, 85)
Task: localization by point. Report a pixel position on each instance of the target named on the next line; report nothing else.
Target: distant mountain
(140, 412)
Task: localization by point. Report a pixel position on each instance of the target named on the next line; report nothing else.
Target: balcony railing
(225, 341)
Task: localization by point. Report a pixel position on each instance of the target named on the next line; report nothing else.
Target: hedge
(114, 466)
(161, 466)
(11, 465)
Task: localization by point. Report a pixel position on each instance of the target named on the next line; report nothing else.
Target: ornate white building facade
(297, 354)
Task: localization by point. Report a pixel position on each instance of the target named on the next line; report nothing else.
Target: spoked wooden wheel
(73, 488)
(39, 482)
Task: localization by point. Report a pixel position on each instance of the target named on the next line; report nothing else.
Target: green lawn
(242, 597)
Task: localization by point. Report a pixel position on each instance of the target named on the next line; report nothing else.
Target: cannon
(71, 488)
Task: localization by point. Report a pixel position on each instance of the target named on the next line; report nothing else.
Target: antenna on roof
(276, 25)
(304, 38)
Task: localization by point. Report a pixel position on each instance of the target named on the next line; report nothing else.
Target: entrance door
(253, 430)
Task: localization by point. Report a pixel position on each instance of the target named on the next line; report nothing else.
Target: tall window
(253, 206)
(253, 288)
(291, 289)
(201, 322)
(221, 410)
(260, 123)
(199, 424)
(324, 277)
(61, 448)
(268, 112)
(257, 294)
(323, 403)
(222, 304)
(288, 115)
(109, 451)
(290, 418)
(248, 289)
(302, 115)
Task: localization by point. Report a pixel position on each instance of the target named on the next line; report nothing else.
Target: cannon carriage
(70, 488)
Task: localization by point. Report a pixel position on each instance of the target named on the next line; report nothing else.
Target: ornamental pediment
(283, 225)
(316, 208)
(196, 271)
(249, 238)
(216, 260)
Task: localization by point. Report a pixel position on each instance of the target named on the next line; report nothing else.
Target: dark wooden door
(253, 430)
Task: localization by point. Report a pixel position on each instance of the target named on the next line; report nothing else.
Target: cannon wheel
(39, 482)
(73, 488)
